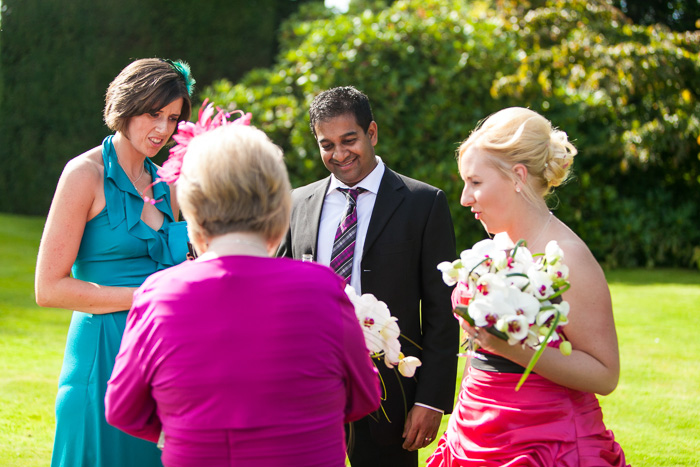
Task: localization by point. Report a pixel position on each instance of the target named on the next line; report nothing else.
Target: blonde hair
(234, 179)
(521, 136)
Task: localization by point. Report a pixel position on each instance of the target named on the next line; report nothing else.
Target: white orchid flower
(559, 272)
(381, 331)
(450, 271)
(544, 316)
(517, 281)
(523, 256)
(372, 315)
(485, 310)
(554, 337)
(533, 336)
(563, 307)
(351, 293)
(463, 275)
(373, 340)
(392, 349)
(480, 257)
(516, 327)
(524, 304)
(389, 329)
(408, 365)
(502, 260)
(490, 282)
(553, 253)
(501, 242)
(540, 283)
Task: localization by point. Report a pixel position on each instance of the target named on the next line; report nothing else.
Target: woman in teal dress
(100, 242)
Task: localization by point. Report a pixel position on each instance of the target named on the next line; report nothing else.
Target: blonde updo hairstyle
(521, 136)
(234, 179)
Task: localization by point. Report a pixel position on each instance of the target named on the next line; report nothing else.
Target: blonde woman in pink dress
(241, 359)
(509, 164)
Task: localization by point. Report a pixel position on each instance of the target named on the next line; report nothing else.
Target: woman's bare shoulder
(87, 166)
(578, 257)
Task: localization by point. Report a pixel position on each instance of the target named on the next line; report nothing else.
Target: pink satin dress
(543, 424)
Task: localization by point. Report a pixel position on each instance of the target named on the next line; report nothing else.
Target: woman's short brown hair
(234, 179)
(144, 86)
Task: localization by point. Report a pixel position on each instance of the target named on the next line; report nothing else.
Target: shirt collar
(370, 183)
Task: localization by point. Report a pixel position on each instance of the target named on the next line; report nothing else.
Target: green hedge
(57, 58)
(625, 94)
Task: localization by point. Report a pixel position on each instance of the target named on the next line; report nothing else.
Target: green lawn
(655, 411)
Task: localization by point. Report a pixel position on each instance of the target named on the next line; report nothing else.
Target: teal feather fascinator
(183, 69)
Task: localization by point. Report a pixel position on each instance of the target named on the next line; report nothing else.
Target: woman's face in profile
(487, 192)
(149, 132)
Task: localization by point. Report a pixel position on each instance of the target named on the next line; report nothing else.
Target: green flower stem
(517, 245)
(537, 355)
(560, 291)
(477, 265)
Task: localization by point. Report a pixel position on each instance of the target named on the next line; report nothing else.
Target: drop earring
(517, 188)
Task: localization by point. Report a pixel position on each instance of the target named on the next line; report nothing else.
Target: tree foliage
(627, 95)
(679, 15)
(58, 57)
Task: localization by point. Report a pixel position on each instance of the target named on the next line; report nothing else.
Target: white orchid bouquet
(513, 294)
(381, 332)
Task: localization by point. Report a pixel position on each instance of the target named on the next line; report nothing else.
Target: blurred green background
(623, 86)
(621, 78)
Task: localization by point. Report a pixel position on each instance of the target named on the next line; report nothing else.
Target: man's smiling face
(346, 150)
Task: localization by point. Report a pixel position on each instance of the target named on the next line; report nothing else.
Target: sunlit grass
(654, 412)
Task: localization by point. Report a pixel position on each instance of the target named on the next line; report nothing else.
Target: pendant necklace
(133, 182)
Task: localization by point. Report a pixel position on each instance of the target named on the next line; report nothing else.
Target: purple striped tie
(344, 243)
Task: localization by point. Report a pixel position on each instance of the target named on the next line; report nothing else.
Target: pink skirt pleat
(542, 424)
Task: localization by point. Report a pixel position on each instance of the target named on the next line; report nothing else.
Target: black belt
(491, 362)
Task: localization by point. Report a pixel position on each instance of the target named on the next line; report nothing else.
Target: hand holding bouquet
(512, 294)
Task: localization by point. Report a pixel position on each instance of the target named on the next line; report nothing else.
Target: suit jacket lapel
(310, 219)
(388, 199)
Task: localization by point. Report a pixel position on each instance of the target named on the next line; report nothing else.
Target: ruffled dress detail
(543, 424)
(117, 249)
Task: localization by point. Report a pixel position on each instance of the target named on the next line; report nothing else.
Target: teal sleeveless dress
(117, 249)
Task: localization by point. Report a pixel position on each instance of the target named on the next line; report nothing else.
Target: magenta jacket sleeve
(128, 402)
(363, 387)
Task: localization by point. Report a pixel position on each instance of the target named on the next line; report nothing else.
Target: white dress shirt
(333, 210)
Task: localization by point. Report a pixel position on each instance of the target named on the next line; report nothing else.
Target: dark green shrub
(627, 96)
(58, 57)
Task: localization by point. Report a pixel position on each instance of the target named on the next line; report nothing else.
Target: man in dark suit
(404, 230)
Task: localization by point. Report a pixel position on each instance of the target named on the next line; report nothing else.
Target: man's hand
(421, 427)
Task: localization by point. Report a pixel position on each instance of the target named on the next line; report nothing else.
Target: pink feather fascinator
(186, 131)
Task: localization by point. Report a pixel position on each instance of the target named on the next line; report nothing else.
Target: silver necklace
(549, 219)
(133, 182)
